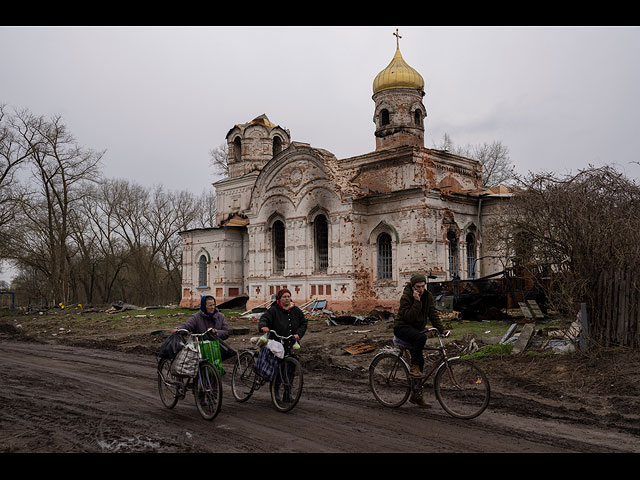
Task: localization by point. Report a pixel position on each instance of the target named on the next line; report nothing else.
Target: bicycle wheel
(462, 389)
(167, 384)
(208, 390)
(243, 377)
(389, 380)
(286, 386)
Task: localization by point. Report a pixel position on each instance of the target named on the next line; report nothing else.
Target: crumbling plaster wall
(416, 195)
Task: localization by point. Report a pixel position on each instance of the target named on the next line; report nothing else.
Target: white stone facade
(350, 230)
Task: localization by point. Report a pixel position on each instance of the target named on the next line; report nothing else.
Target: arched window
(321, 234)
(417, 117)
(202, 271)
(277, 145)
(237, 149)
(277, 241)
(471, 255)
(385, 261)
(454, 261)
(384, 117)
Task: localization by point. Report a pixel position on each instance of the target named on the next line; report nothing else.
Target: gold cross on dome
(398, 37)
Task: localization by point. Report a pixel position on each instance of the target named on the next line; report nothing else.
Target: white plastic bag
(276, 347)
(186, 362)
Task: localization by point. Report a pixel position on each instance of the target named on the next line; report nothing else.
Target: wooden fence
(614, 318)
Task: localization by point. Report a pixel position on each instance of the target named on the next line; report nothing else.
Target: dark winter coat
(417, 313)
(284, 322)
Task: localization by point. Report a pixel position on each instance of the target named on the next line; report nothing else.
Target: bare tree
(220, 159)
(13, 154)
(496, 164)
(60, 169)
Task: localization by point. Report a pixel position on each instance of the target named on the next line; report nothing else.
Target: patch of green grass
(490, 350)
(490, 328)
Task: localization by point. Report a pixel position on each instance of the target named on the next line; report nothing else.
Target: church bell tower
(399, 112)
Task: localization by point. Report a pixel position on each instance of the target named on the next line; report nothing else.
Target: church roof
(262, 120)
(398, 74)
(259, 120)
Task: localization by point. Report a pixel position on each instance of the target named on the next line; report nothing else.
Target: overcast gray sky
(158, 99)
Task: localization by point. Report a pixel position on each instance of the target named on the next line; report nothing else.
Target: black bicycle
(204, 382)
(460, 386)
(286, 384)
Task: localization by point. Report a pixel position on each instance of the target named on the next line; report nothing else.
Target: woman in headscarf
(207, 317)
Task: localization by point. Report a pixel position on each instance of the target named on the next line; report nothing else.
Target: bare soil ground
(71, 389)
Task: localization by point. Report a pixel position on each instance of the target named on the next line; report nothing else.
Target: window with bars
(202, 271)
(454, 261)
(322, 243)
(471, 255)
(277, 241)
(385, 262)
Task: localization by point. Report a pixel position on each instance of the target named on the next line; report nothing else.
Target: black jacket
(284, 322)
(417, 314)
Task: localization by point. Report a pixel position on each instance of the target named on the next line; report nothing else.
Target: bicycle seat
(401, 343)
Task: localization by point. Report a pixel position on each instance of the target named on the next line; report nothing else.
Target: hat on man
(417, 278)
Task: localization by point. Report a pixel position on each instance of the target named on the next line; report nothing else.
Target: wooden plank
(525, 310)
(535, 309)
(510, 332)
(523, 338)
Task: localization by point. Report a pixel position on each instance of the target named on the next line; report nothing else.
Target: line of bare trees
(76, 237)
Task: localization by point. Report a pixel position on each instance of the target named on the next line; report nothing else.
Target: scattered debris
(313, 305)
(350, 320)
(120, 306)
(358, 348)
(237, 302)
(259, 308)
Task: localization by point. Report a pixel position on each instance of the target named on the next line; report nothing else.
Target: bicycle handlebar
(206, 332)
(280, 336)
(434, 329)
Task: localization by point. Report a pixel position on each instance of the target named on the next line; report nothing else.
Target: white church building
(351, 230)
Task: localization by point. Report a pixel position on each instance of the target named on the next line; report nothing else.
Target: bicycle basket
(210, 350)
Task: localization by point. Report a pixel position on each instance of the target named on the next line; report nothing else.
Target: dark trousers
(417, 339)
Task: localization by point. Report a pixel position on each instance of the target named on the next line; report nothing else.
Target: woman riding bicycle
(284, 317)
(417, 308)
(208, 317)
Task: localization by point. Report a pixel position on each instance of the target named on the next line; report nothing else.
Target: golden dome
(398, 74)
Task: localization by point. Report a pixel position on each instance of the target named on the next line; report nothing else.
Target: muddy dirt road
(58, 398)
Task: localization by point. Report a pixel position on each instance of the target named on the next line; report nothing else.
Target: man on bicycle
(417, 308)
